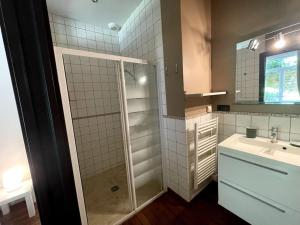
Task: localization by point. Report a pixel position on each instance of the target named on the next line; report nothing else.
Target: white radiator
(206, 140)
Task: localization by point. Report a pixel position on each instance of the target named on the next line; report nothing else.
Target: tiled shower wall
(92, 88)
(247, 71)
(95, 108)
(74, 34)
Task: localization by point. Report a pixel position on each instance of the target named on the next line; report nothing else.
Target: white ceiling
(100, 13)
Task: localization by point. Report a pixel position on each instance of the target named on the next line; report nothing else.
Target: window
(281, 79)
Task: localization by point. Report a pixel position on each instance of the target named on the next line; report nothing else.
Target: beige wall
(234, 21)
(12, 148)
(196, 45)
(187, 53)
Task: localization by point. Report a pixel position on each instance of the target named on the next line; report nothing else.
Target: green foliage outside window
(281, 78)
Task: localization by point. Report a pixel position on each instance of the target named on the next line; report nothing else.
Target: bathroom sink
(280, 151)
(259, 180)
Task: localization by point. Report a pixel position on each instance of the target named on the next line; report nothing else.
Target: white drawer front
(254, 210)
(275, 183)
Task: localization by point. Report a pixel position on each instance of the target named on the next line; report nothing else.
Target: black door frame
(27, 38)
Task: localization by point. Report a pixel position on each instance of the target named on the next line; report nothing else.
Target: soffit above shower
(100, 13)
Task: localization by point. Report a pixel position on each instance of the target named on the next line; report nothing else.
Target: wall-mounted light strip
(214, 93)
(207, 94)
(284, 34)
(279, 41)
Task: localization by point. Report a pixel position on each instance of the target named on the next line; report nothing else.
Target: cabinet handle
(254, 197)
(255, 164)
(176, 68)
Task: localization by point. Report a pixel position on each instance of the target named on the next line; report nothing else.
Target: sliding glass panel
(142, 104)
(95, 109)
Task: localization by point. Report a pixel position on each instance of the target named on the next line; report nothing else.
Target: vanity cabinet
(257, 189)
(253, 208)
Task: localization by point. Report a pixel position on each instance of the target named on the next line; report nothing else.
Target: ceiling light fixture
(142, 80)
(253, 45)
(279, 41)
(95, 1)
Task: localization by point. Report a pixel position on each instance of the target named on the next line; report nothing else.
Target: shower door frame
(59, 52)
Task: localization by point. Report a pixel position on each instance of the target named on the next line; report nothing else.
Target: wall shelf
(207, 94)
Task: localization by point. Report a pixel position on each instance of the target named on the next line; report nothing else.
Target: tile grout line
(97, 115)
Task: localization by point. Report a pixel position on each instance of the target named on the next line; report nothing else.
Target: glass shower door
(90, 92)
(144, 133)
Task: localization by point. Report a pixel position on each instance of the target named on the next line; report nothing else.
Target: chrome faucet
(274, 134)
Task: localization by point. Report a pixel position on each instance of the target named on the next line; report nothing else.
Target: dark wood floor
(19, 216)
(169, 209)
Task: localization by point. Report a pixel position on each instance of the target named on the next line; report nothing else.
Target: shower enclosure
(110, 105)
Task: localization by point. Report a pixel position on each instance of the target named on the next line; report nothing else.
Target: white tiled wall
(177, 156)
(180, 154)
(67, 32)
(288, 125)
(247, 72)
(141, 37)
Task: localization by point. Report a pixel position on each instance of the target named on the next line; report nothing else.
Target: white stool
(25, 191)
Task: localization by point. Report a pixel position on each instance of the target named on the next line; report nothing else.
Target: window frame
(262, 70)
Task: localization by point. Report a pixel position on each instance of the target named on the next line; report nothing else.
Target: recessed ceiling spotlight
(95, 1)
(114, 26)
(279, 41)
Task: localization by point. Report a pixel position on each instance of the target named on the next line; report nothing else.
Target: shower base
(104, 204)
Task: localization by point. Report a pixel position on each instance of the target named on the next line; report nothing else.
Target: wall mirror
(268, 68)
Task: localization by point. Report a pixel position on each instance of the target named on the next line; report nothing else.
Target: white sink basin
(281, 151)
